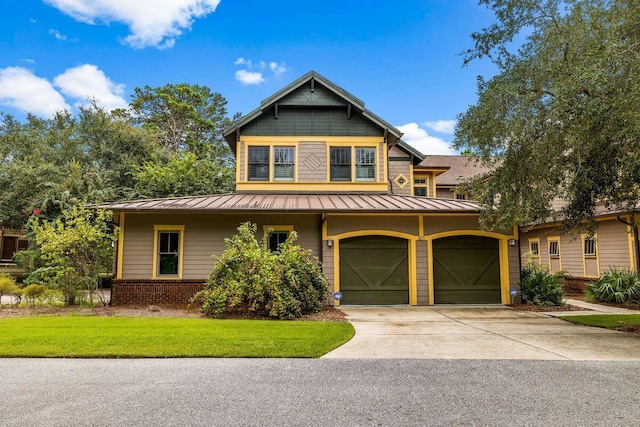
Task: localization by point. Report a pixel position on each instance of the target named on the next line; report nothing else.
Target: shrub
(8, 286)
(539, 287)
(283, 285)
(616, 285)
(32, 292)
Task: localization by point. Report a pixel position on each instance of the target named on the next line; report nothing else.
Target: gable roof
(296, 203)
(459, 168)
(311, 78)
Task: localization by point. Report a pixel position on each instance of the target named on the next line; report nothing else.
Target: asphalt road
(327, 392)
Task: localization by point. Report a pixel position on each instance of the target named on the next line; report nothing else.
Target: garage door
(374, 270)
(466, 270)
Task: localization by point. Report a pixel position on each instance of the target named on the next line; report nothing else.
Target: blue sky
(400, 57)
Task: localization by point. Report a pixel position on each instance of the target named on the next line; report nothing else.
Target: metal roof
(320, 203)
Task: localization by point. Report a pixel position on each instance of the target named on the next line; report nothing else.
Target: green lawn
(608, 321)
(122, 337)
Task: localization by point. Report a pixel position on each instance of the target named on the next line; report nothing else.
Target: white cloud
(89, 82)
(151, 22)
(249, 77)
(277, 68)
(21, 89)
(57, 34)
(418, 138)
(442, 126)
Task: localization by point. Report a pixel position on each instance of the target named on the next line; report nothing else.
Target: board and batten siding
(204, 236)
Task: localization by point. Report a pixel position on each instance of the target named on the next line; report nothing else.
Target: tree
(561, 119)
(190, 118)
(75, 248)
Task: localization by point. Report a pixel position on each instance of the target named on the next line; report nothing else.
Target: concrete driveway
(480, 332)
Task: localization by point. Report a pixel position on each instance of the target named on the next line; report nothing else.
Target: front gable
(312, 136)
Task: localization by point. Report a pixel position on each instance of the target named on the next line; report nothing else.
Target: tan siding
(436, 224)
(444, 193)
(204, 237)
(344, 224)
(396, 152)
(381, 164)
(241, 161)
(395, 169)
(327, 265)
(422, 272)
(613, 245)
(613, 248)
(514, 266)
(312, 162)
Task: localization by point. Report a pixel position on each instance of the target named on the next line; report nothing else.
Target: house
(313, 159)
(11, 241)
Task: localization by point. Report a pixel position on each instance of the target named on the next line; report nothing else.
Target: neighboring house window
(283, 163)
(534, 250)
(554, 248)
(590, 256)
(258, 163)
(420, 187)
(168, 245)
(589, 246)
(461, 196)
(554, 254)
(340, 164)
(11, 245)
(276, 235)
(365, 164)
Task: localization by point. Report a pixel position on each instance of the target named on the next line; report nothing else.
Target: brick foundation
(575, 285)
(125, 292)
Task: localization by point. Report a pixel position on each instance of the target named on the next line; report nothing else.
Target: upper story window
(589, 246)
(258, 163)
(365, 164)
(340, 167)
(341, 164)
(283, 163)
(461, 196)
(420, 186)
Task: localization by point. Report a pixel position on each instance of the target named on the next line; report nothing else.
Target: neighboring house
(582, 256)
(313, 159)
(11, 241)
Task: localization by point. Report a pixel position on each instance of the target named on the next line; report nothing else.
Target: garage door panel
(374, 270)
(466, 270)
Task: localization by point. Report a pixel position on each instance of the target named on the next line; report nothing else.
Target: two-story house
(313, 159)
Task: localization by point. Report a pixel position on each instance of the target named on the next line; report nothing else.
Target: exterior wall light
(330, 243)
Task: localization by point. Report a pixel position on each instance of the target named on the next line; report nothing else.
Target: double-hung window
(340, 164)
(365, 164)
(283, 163)
(258, 163)
(589, 247)
(168, 251)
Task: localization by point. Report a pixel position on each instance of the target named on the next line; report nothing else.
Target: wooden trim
(120, 257)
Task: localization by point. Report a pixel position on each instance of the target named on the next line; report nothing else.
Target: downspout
(634, 227)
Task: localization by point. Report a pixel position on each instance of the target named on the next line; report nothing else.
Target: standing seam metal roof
(345, 203)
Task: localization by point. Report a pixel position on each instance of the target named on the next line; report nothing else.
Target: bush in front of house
(8, 287)
(247, 276)
(539, 287)
(615, 286)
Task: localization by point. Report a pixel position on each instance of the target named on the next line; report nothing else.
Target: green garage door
(374, 270)
(466, 270)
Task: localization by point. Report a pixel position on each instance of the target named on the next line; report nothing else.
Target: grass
(609, 321)
(134, 337)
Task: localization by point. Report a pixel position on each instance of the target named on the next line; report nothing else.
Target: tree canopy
(561, 119)
(167, 144)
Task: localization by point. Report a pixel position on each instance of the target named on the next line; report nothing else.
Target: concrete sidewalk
(478, 332)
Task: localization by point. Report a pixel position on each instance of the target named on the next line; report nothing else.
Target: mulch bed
(536, 308)
(328, 314)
